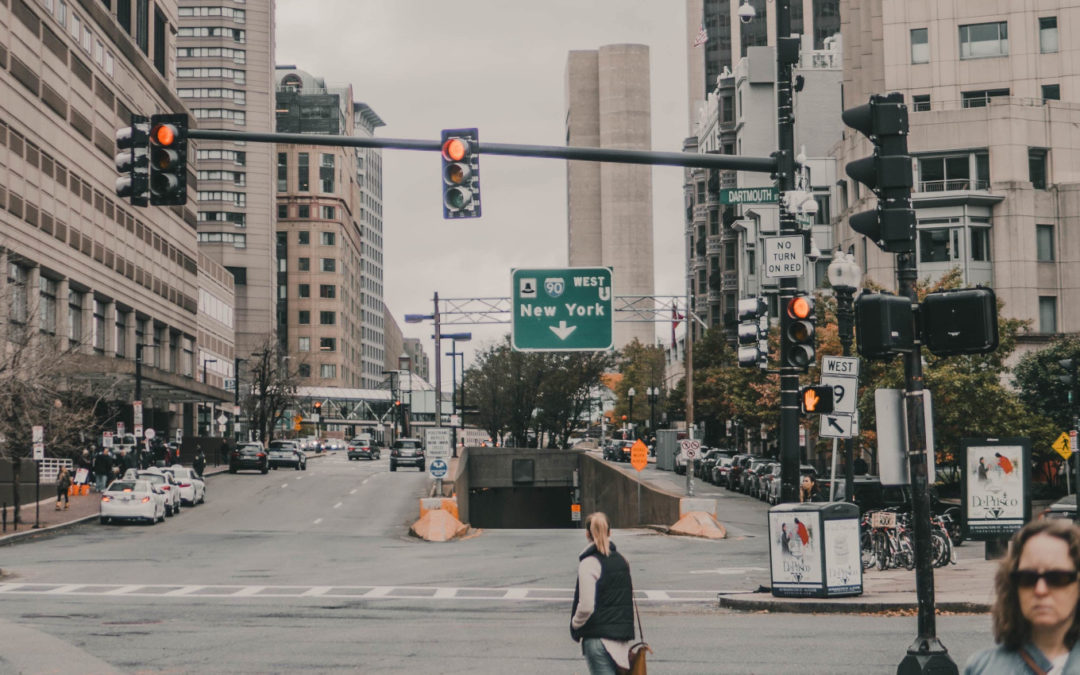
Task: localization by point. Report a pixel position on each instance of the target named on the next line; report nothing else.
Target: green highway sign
(564, 309)
(758, 195)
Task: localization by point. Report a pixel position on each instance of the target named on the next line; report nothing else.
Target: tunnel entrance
(521, 507)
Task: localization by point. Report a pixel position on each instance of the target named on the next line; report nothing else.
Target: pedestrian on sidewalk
(63, 484)
(602, 617)
(103, 465)
(199, 463)
(1034, 614)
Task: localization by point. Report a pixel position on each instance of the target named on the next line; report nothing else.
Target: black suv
(407, 452)
(249, 456)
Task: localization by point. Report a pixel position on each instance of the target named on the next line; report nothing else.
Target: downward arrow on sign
(562, 330)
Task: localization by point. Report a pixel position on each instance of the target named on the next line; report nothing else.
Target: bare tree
(273, 387)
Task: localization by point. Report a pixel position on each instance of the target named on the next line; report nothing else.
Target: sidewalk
(966, 587)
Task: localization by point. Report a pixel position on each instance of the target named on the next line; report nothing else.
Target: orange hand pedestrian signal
(817, 399)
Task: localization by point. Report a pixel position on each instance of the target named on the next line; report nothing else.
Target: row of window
(304, 264)
(236, 34)
(82, 34)
(327, 371)
(238, 178)
(328, 291)
(237, 15)
(235, 156)
(983, 40)
(325, 318)
(236, 198)
(237, 55)
(981, 97)
(237, 219)
(303, 212)
(237, 96)
(239, 117)
(237, 240)
(326, 172)
(326, 344)
(236, 75)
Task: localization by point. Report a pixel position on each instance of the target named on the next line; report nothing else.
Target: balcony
(952, 185)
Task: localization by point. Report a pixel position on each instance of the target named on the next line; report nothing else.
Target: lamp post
(404, 367)
(393, 402)
(653, 394)
(210, 424)
(845, 276)
(453, 354)
(630, 394)
(236, 399)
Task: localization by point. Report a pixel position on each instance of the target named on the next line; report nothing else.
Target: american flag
(702, 37)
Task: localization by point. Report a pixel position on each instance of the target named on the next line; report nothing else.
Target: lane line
(186, 590)
(444, 593)
(66, 588)
(516, 594)
(317, 521)
(353, 491)
(250, 590)
(378, 592)
(338, 505)
(284, 485)
(123, 590)
(316, 591)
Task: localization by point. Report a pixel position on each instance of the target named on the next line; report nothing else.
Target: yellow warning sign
(1061, 446)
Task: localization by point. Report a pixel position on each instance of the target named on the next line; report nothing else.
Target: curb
(838, 605)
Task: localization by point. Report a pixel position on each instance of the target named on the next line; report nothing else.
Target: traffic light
(131, 160)
(298, 422)
(798, 323)
(963, 321)
(884, 325)
(461, 173)
(1069, 377)
(884, 120)
(753, 333)
(817, 399)
(317, 405)
(168, 159)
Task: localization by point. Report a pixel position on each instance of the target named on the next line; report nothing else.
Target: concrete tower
(609, 205)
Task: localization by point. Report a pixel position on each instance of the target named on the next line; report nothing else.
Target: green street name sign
(758, 195)
(562, 310)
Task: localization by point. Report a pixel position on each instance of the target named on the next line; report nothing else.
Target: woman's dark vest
(613, 613)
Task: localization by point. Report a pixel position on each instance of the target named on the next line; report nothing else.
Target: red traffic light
(164, 134)
(455, 149)
(800, 307)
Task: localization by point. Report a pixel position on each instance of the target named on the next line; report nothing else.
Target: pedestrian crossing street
(380, 593)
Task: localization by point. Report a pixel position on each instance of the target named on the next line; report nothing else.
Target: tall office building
(993, 96)
(83, 270)
(225, 75)
(329, 237)
(609, 205)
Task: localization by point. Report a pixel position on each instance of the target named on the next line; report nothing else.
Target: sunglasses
(1053, 578)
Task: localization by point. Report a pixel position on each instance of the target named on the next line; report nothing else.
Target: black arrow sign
(834, 425)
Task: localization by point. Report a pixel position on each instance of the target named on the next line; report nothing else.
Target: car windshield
(280, 445)
(152, 478)
(128, 486)
(250, 448)
(408, 444)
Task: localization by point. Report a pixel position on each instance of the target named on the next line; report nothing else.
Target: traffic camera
(753, 333)
(884, 325)
(884, 120)
(131, 160)
(816, 399)
(799, 323)
(461, 173)
(963, 321)
(168, 159)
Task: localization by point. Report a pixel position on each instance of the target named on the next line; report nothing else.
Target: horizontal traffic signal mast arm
(705, 161)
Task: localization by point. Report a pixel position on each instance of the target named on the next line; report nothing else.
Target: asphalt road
(314, 571)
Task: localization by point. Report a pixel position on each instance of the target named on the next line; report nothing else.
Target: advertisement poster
(795, 552)
(843, 562)
(997, 474)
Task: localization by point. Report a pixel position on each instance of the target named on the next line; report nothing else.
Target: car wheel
(161, 518)
(274, 467)
(104, 520)
(266, 470)
(168, 510)
(304, 467)
(298, 466)
(421, 466)
(393, 467)
(232, 470)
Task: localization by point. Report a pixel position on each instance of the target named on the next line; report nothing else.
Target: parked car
(748, 481)
(1062, 508)
(363, 447)
(703, 467)
(249, 456)
(192, 486)
(608, 449)
(804, 470)
(132, 499)
(766, 476)
(286, 453)
(163, 481)
(407, 452)
(720, 470)
(738, 465)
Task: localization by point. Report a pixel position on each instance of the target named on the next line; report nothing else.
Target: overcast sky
(426, 65)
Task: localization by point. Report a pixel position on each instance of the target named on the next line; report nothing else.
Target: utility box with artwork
(814, 550)
(996, 486)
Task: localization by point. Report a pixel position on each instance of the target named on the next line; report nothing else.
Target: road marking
(338, 505)
(365, 480)
(317, 521)
(386, 593)
(729, 570)
(284, 485)
(353, 491)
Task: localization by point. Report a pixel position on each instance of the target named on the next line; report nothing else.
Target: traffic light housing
(461, 173)
(317, 405)
(132, 160)
(753, 333)
(1069, 377)
(799, 324)
(884, 325)
(963, 321)
(168, 159)
(888, 173)
(816, 399)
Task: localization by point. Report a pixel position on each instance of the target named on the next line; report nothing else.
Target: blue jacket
(999, 660)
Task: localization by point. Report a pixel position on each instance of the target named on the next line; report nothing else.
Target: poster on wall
(996, 485)
(843, 560)
(795, 552)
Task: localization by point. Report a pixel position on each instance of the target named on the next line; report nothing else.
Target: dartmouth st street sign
(562, 309)
(756, 195)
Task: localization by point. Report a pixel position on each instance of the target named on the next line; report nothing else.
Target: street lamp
(210, 424)
(653, 394)
(393, 402)
(404, 366)
(630, 394)
(845, 277)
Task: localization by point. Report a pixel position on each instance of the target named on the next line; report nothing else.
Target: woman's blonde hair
(1011, 628)
(599, 531)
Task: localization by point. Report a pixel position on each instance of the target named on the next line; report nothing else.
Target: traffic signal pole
(785, 178)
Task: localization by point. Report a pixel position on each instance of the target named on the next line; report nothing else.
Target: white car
(192, 486)
(163, 481)
(132, 500)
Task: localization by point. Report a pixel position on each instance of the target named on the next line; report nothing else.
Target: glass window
(283, 172)
(920, 102)
(303, 211)
(327, 290)
(938, 245)
(1051, 92)
(304, 317)
(304, 290)
(99, 325)
(920, 46)
(981, 98)
(327, 344)
(329, 264)
(1048, 34)
(303, 264)
(303, 344)
(303, 237)
(303, 370)
(1047, 314)
(981, 40)
(327, 318)
(328, 212)
(47, 289)
(75, 312)
(980, 244)
(1037, 168)
(327, 238)
(326, 173)
(729, 257)
(1044, 243)
(282, 211)
(302, 183)
(727, 110)
(327, 371)
(20, 308)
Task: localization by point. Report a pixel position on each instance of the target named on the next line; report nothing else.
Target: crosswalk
(382, 593)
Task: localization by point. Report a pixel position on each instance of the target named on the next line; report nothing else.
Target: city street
(315, 571)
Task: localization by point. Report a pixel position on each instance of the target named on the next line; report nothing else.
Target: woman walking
(1034, 614)
(603, 613)
(63, 484)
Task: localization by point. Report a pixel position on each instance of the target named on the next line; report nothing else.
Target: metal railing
(953, 184)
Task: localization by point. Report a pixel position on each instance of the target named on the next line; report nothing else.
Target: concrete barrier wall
(605, 488)
(461, 484)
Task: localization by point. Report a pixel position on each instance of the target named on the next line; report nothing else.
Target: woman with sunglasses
(1034, 614)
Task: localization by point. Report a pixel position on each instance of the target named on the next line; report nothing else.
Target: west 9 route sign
(562, 309)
